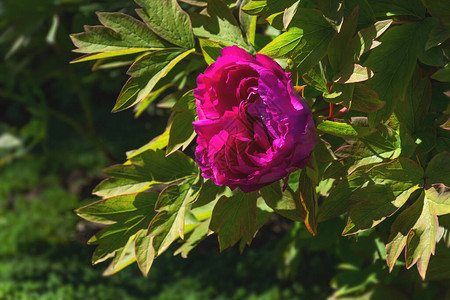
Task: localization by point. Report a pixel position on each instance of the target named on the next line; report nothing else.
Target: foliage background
(57, 132)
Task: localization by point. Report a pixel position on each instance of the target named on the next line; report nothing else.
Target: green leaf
(118, 209)
(144, 252)
(316, 78)
(145, 170)
(308, 200)
(168, 20)
(400, 175)
(375, 203)
(168, 224)
(195, 237)
(234, 218)
(338, 201)
(210, 192)
(115, 238)
(210, 50)
(219, 25)
(340, 52)
(365, 99)
(142, 106)
(266, 8)
(289, 13)
(382, 145)
(393, 63)
(156, 143)
(120, 35)
(433, 57)
(333, 12)
(400, 229)
(365, 39)
(344, 130)
(181, 130)
(442, 74)
(145, 74)
(127, 258)
(438, 170)
(276, 20)
(383, 8)
(412, 110)
(437, 36)
(354, 73)
(421, 239)
(439, 9)
(285, 203)
(306, 40)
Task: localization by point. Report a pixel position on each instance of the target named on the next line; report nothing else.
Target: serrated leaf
(145, 170)
(210, 50)
(234, 218)
(144, 252)
(421, 238)
(168, 224)
(438, 170)
(145, 74)
(417, 100)
(375, 203)
(219, 25)
(442, 74)
(344, 130)
(120, 35)
(285, 203)
(306, 40)
(168, 20)
(333, 11)
(393, 63)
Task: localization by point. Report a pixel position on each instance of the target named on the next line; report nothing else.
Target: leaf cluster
(375, 74)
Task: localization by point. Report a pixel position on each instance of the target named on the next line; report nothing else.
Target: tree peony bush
(312, 110)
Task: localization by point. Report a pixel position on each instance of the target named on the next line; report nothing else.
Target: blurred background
(57, 133)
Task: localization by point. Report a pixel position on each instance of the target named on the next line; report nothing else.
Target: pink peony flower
(253, 128)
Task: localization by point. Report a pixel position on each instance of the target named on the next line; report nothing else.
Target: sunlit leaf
(120, 35)
(306, 40)
(145, 74)
(168, 20)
